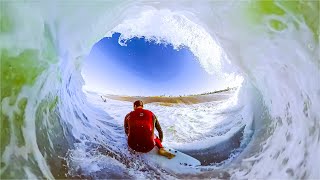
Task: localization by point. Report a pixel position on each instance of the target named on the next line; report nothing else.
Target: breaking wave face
(49, 129)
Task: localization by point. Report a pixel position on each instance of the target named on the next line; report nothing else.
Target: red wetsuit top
(139, 126)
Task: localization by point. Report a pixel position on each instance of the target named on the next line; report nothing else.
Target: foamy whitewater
(51, 128)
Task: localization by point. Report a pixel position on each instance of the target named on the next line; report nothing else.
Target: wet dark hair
(138, 103)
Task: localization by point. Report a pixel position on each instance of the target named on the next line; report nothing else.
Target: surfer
(139, 127)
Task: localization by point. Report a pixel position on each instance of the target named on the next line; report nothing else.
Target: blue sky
(144, 68)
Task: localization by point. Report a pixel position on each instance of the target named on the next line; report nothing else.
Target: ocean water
(51, 128)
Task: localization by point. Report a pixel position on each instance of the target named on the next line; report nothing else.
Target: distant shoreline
(174, 100)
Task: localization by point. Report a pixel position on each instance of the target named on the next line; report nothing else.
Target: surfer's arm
(158, 127)
(126, 127)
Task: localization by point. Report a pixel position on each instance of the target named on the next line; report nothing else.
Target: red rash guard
(139, 126)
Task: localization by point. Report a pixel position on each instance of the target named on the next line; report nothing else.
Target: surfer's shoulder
(148, 111)
(128, 114)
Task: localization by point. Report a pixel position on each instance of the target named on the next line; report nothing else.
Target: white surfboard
(180, 164)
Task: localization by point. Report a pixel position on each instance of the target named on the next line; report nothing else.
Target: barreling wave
(49, 129)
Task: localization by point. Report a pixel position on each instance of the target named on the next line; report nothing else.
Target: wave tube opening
(143, 67)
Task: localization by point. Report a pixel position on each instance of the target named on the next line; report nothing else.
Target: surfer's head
(137, 104)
